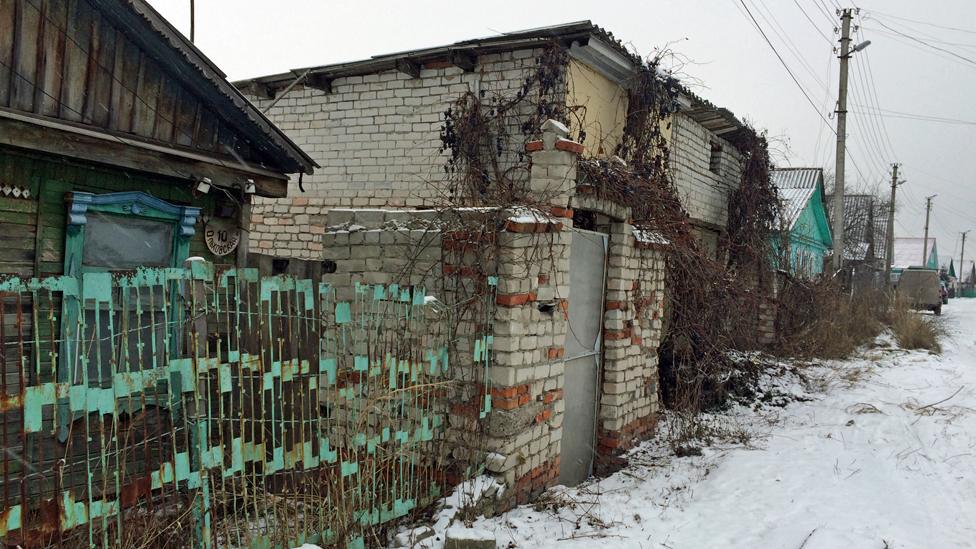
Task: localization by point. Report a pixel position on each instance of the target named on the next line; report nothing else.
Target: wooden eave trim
(54, 137)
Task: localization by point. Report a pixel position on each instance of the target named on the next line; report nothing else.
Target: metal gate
(587, 279)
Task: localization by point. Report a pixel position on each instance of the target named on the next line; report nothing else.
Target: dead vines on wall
(713, 297)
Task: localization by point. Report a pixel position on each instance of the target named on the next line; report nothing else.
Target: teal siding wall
(809, 240)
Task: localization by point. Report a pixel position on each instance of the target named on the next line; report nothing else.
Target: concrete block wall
(704, 193)
(377, 138)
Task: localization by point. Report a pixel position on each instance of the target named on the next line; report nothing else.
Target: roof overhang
(159, 38)
(36, 133)
(585, 42)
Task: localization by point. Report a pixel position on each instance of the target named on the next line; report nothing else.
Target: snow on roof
(650, 237)
(796, 186)
(522, 214)
(908, 252)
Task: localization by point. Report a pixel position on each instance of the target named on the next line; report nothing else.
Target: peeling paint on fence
(227, 408)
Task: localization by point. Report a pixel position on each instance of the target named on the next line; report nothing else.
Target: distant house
(967, 278)
(914, 252)
(864, 229)
(803, 220)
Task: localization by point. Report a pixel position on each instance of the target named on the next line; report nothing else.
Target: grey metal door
(587, 280)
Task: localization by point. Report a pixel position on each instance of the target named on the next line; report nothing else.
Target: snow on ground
(875, 457)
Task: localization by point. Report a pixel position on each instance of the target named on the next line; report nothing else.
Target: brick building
(580, 291)
(374, 126)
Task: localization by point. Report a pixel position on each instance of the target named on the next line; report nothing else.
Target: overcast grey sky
(732, 63)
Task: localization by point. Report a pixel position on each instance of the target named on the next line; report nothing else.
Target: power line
(874, 93)
(814, 25)
(924, 43)
(936, 25)
(785, 66)
(884, 113)
(796, 81)
(784, 37)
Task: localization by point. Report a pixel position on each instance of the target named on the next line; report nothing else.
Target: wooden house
(120, 142)
(121, 146)
(805, 238)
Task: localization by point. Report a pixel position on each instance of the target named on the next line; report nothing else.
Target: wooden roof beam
(408, 67)
(464, 60)
(319, 81)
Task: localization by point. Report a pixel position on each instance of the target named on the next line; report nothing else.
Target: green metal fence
(187, 407)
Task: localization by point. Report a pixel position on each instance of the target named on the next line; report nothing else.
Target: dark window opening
(715, 158)
(279, 266)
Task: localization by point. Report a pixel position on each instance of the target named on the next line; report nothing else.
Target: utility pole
(845, 44)
(962, 253)
(890, 233)
(193, 21)
(925, 243)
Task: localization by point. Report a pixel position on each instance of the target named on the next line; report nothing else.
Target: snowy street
(877, 452)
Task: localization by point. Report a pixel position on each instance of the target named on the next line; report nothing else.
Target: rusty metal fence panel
(189, 408)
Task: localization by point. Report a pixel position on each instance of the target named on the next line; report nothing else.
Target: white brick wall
(377, 138)
(704, 193)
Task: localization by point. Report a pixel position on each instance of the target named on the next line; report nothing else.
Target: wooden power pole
(193, 21)
(890, 233)
(925, 241)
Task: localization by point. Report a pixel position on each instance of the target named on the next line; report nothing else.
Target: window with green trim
(126, 329)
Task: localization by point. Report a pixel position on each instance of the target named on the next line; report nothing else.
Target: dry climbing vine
(712, 296)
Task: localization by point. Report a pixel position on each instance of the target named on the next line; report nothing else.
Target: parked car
(923, 289)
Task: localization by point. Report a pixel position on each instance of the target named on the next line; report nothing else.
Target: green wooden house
(804, 237)
(121, 145)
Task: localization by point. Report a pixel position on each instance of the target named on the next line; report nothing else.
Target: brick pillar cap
(556, 127)
(553, 131)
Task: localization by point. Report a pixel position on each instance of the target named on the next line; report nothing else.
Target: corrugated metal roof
(796, 186)
(792, 202)
(796, 178)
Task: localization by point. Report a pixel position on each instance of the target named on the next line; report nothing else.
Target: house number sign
(222, 236)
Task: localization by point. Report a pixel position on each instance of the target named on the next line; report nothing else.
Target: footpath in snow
(877, 452)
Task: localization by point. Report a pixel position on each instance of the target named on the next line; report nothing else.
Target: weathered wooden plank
(206, 130)
(186, 111)
(8, 204)
(17, 218)
(101, 92)
(166, 110)
(97, 87)
(77, 46)
(127, 78)
(116, 89)
(147, 97)
(51, 62)
(25, 56)
(8, 20)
